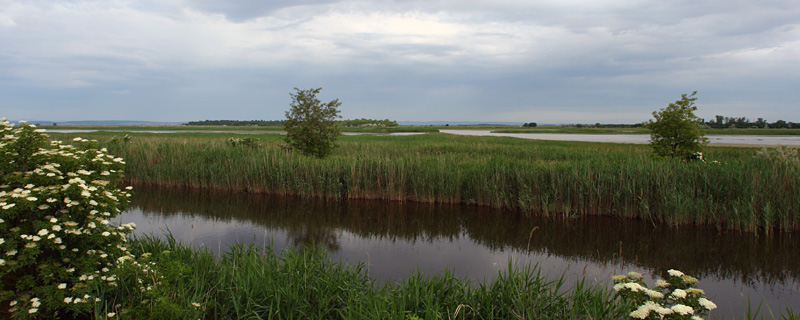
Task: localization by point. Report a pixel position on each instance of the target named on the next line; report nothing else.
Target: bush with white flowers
(673, 298)
(57, 246)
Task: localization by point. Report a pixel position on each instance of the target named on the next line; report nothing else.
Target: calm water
(396, 238)
(614, 138)
(636, 138)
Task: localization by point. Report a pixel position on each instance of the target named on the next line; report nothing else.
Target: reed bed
(250, 282)
(257, 283)
(550, 178)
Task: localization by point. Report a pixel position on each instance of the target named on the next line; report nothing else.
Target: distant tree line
(278, 123)
(606, 125)
(530, 125)
(742, 122)
(617, 125)
(367, 123)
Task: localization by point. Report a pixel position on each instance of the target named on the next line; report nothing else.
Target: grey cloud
(241, 10)
(503, 60)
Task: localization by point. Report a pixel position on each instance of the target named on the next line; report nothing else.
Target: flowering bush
(674, 298)
(57, 248)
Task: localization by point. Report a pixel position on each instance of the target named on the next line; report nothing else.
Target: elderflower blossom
(682, 309)
(644, 310)
(705, 303)
(674, 273)
(678, 294)
(654, 294)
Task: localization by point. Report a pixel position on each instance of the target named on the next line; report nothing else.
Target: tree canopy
(677, 131)
(310, 124)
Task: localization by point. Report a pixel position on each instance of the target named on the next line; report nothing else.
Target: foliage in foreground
(677, 131)
(249, 282)
(56, 241)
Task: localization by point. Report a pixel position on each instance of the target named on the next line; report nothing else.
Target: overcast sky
(565, 61)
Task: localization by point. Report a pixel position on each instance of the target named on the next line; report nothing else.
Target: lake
(395, 239)
(636, 138)
(756, 140)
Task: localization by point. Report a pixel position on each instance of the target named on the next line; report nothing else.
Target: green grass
(550, 178)
(251, 282)
(258, 283)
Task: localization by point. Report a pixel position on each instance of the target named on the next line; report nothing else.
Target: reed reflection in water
(398, 238)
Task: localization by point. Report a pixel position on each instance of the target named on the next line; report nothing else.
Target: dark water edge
(397, 238)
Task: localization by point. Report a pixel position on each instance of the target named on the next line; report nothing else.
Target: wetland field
(736, 193)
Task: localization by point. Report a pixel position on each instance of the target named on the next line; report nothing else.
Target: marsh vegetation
(735, 189)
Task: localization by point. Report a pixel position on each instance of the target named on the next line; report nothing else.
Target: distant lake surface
(395, 239)
(612, 138)
(635, 138)
(222, 131)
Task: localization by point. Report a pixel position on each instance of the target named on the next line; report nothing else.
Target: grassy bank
(543, 177)
(257, 283)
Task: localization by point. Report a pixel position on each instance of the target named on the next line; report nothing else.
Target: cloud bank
(562, 62)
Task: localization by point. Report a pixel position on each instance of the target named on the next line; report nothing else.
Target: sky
(566, 61)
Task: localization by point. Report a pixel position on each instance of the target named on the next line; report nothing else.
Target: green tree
(676, 131)
(310, 124)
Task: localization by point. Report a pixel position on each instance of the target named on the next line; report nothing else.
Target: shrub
(57, 247)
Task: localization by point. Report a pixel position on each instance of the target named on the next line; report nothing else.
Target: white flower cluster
(55, 206)
(670, 302)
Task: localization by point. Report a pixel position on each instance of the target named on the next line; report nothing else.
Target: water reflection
(396, 238)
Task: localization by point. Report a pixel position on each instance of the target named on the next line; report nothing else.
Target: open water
(395, 239)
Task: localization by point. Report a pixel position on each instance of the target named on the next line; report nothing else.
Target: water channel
(395, 239)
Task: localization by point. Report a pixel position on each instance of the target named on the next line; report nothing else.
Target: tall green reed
(566, 179)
